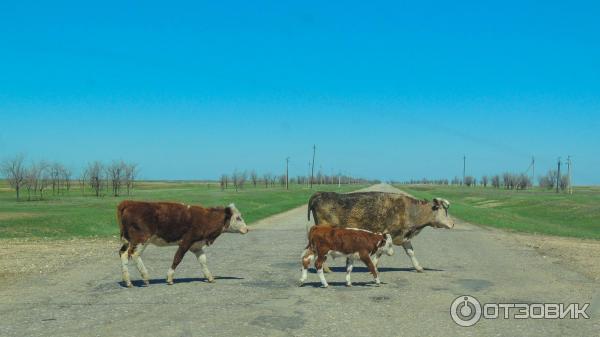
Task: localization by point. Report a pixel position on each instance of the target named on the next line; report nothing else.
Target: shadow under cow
(380, 269)
(140, 283)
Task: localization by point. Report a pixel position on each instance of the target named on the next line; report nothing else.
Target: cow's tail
(120, 210)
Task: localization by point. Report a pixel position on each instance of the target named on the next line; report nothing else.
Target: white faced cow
(171, 224)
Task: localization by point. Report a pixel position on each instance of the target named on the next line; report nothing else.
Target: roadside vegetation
(535, 210)
(77, 212)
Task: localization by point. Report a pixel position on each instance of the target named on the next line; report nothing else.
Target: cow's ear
(228, 211)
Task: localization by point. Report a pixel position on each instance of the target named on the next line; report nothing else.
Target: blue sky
(387, 90)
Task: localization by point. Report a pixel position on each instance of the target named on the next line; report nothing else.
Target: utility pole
(339, 179)
(533, 170)
(569, 175)
(312, 172)
(558, 176)
(287, 176)
(464, 168)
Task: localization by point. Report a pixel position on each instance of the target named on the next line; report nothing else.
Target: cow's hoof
(326, 269)
(129, 285)
(300, 284)
(325, 286)
(348, 285)
(211, 280)
(420, 270)
(146, 283)
(170, 283)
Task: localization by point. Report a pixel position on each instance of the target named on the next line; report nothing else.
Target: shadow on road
(366, 270)
(140, 283)
(341, 284)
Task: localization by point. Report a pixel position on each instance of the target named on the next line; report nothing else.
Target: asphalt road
(256, 292)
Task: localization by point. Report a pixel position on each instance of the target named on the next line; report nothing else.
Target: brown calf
(351, 243)
(170, 224)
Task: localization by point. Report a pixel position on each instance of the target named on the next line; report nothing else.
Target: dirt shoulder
(20, 258)
(578, 254)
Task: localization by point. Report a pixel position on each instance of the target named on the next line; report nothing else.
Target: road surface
(256, 292)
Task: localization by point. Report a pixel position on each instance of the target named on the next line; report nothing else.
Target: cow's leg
(183, 248)
(408, 248)
(137, 258)
(319, 266)
(307, 257)
(349, 266)
(199, 252)
(124, 262)
(376, 259)
(364, 256)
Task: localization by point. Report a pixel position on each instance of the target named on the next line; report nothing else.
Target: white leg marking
(349, 266)
(409, 251)
(304, 257)
(322, 277)
(125, 269)
(170, 274)
(203, 265)
(137, 258)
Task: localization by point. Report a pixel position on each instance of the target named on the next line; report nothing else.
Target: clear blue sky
(388, 90)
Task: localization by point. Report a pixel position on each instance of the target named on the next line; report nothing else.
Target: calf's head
(440, 214)
(385, 247)
(236, 222)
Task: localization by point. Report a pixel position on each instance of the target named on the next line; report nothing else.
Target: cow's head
(385, 247)
(236, 222)
(440, 214)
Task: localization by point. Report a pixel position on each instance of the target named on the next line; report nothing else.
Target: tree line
(40, 177)
(507, 180)
(238, 179)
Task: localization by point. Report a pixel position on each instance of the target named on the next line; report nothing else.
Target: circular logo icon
(465, 310)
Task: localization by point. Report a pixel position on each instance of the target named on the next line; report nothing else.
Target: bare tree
(267, 178)
(549, 180)
(469, 180)
(496, 181)
(66, 176)
(82, 180)
(116, 173)
(235, 179)
(14, 171)
(254, 177)
(94, 175)
(129, 176)
(484, 181)
(45, 178)
(224, 179)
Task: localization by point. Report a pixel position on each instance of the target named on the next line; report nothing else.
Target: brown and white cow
(402, 216)
(172, 224)
(351, 243)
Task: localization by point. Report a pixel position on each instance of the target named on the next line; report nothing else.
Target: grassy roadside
(76, 215)
(534, 211)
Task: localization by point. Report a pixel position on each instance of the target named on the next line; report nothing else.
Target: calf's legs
(137, 258)
(183, 248)
(408, 248)
(319, 266)
(203, 265)
(124, 262)
(364, 256)
(307, 257)
(349, 266)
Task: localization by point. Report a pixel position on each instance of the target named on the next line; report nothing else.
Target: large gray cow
(401, 216)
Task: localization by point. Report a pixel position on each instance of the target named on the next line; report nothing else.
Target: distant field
(533, 211)
(77, 215)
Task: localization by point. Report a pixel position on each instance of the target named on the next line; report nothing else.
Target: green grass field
(532, 211)
(77, 215)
